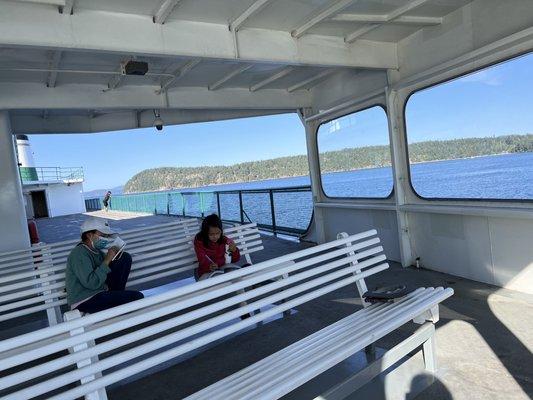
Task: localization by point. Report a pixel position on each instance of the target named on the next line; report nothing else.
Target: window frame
(391, 194)
(406, 138)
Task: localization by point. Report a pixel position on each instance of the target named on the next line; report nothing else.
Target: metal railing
(65, 174)
(279, 210)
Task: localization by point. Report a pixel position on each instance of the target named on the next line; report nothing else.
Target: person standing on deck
(95, 281)
(107, 199)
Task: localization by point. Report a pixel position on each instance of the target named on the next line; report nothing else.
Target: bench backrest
(137, 336)
(42, 286)
(57, 253)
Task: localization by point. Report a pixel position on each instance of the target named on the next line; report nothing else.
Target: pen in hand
(212, 262)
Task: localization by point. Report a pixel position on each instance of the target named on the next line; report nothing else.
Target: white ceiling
(281, 49)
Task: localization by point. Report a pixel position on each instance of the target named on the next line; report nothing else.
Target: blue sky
(495, 101)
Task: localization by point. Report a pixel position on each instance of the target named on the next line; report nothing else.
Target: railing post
(240, 207)
(272, 211)
(168, 203)
(218, 205)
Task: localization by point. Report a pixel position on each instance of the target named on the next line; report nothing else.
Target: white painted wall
(486, 249)
(491, 249)
(354, 221)
(65, 200)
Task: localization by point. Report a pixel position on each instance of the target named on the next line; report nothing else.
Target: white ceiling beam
(397, 13)
(352, 37)
(319, 16)
(257, 6)
(59, 3)
(68, 8)
(179, 73)
(403, 20)
(135, 35)
(120, 120)
(35, 96)
(53, 65)
(164, 11)
(115, 81)
(270, 79)
(229, 76)
(309, 81)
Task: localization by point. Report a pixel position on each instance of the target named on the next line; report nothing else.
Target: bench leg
(370, 352)
(99, 394)
(430, 356)
(53, 313)
(423, 335)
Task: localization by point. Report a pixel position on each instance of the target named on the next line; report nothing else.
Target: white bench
(57, 253)
(135, 337)
(160, 260)
(42, 286)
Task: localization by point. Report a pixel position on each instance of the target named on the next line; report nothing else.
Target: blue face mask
(100, 243)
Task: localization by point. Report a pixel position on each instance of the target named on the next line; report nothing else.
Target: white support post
(314, 171)
(12, 210)
(400, 170)
(431, 315)
(53, 313)
(246, 256)
(360, 283)
(430, 355)
(101, 393)
(187, 230)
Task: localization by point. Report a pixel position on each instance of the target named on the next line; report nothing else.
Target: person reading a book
(98, 269)
(214, 251)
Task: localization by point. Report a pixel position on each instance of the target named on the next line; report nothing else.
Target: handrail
(32, 174)
(161, 203)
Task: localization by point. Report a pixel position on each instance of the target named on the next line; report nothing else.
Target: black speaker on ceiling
(135, 68)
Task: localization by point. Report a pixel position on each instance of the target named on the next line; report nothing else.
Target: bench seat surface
(289, 368)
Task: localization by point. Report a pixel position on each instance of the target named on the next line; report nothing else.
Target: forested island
(167, 178)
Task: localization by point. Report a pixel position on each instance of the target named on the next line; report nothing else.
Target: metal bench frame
(193, 316)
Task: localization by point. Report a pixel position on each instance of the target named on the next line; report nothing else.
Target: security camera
(158, 122)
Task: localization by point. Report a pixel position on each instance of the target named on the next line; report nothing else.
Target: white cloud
(486, 77)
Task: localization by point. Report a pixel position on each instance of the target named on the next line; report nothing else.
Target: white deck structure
(60, 72)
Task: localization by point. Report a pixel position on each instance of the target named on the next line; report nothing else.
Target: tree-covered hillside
(331, 161)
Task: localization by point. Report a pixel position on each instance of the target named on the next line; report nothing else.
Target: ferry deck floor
(484, 337)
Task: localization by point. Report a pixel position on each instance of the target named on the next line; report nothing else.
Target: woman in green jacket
(94, 281)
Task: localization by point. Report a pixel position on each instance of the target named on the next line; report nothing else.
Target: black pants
(116, 282)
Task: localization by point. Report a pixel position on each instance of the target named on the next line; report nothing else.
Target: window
(354, 154)
(472, 137)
